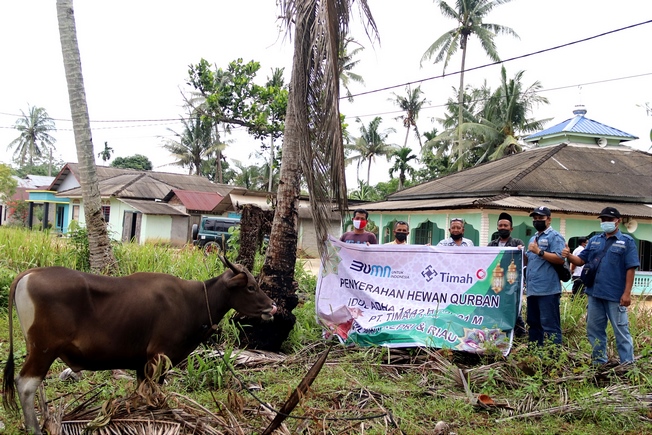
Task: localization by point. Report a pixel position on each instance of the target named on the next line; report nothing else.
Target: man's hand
(566, 251)
(534, 248)
(625, 300)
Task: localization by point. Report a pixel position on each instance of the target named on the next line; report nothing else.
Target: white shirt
(578, 269)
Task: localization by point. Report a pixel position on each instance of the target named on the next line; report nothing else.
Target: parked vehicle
(212, 233)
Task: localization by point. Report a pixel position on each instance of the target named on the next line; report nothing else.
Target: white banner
(463, 298)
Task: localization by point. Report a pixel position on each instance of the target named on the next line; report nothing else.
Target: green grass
(395, 390)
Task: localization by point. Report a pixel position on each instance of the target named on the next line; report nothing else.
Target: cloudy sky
(135, 56)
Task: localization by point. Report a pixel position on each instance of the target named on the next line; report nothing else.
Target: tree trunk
(101, 252)
(277, 278)
(255, 224)
(460, 111)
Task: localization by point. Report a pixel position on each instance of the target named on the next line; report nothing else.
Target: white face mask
(359, 224)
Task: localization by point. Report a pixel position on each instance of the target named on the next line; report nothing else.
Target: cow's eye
(251, 288)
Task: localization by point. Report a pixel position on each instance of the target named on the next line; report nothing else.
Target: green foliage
(232, 97)
(7, 183)
(137, 161)
(34, 140)
(206, 369)
(80, 248)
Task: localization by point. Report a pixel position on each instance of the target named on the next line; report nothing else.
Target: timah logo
(429, 273)
(371, 269)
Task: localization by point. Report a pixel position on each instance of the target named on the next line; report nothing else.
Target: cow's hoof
(69, 375)
(121, 374)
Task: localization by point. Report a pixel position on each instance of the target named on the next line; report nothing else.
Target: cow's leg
(26, 387)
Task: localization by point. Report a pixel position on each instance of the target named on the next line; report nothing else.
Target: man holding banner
(505, 227)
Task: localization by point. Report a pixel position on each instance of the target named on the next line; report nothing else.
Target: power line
(434, 106)
(503, 61)
(174, 120)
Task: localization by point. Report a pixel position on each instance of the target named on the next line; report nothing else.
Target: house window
(106, 211)
(75, 213)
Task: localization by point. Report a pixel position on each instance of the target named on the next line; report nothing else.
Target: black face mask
(504, 233)
(539, 225)
(401, 237)
(456, 236)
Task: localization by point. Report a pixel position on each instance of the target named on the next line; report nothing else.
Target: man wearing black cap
(542, 281)
(614, 258)
(505, 239)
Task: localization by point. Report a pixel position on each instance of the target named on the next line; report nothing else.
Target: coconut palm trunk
(460, 109)
(101, 252)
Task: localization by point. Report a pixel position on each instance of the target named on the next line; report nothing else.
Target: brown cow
(95, 322)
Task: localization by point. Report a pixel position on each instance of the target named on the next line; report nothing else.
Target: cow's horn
(228, 264)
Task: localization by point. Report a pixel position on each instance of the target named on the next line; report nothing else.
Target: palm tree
(505, 116)
(371, 144)
(105, 154)
(34, 139)
(312, 146)
(411, 105)
(469, 15)
(101, 252)
(346, 65)
(402, 158)
(194, 145)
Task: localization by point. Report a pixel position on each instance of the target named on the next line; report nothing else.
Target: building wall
(155, 228)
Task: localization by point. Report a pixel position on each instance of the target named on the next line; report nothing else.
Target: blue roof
(582, 125)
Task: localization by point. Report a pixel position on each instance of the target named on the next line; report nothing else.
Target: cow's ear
(238, 280)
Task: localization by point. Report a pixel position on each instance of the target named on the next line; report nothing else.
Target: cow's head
(247, 299)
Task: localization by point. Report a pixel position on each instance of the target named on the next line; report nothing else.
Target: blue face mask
(608, 227)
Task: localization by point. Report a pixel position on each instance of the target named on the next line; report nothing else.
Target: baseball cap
(542, 211)
(609, 212)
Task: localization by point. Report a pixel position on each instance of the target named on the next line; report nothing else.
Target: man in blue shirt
(542, 282)
(610, 293)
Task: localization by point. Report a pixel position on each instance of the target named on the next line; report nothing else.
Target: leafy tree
(470, 15)
(137, 161)
(370, 144)
(231, 98)
(346, 64)
(7, 183)
(402, 158)
(275, 87)
(105, 154)
(34, 139)
(411, 105)
(101, 252)
(40, 167)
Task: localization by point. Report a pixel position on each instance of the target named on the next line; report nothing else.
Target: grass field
(223, 389)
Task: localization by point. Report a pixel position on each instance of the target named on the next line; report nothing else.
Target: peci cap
(542, 211)
(609, 212)
(505, 217)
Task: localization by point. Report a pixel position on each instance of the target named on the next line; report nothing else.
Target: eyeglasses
(401, 223)
(457, 220)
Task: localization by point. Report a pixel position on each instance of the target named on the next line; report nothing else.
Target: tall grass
(418, 395)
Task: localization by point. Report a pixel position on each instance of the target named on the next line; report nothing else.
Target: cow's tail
(8, 382)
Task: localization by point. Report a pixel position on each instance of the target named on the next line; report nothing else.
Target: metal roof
(117, 181)
(523, 203)
(617, 174)
(197, 201)
(151, 207)
(581, 125)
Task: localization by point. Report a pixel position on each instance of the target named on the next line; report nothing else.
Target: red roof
(199, 201)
